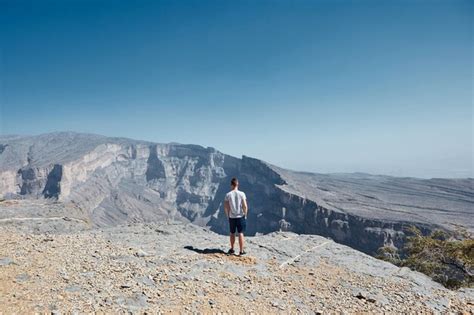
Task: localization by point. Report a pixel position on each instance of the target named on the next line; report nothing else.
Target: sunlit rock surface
(56, 264)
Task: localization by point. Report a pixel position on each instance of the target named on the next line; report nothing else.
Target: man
(235, 207)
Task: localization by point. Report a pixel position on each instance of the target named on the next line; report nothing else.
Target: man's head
(234, 183)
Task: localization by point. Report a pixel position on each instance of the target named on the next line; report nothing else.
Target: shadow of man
(205, 250)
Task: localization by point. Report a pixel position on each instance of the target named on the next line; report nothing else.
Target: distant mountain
(117, 180)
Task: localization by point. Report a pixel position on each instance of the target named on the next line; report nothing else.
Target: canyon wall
(120, 180)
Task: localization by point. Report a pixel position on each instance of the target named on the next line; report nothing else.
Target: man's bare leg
(241, 242)
(232, 240)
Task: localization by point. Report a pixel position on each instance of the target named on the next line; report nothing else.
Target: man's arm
(226, 207)
(245, 207)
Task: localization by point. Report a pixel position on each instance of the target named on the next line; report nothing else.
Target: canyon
(112, 181)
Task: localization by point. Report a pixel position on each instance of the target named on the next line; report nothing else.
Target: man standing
(235, 207)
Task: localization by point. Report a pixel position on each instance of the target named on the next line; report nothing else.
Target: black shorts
(239, 224)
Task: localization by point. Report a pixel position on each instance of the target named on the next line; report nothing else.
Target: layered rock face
(118, 180)
(363, 211)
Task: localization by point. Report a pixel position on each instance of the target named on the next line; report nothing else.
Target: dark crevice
(52, 189)
(155, 169)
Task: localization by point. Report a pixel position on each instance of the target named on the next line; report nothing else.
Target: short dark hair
(234, 182)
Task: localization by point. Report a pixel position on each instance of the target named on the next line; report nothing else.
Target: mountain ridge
(62, 133)
(118, 180)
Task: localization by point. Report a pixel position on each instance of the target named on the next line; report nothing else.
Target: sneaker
(242, 253)
(231, 252)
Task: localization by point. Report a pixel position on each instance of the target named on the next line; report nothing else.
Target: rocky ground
(182, 268)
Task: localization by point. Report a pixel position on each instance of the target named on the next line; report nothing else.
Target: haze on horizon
(382, 87)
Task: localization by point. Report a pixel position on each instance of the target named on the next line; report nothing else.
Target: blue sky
(382, 87)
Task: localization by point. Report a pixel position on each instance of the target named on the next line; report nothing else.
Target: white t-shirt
(236, 199)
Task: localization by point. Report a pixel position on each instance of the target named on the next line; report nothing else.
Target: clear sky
(383, 87)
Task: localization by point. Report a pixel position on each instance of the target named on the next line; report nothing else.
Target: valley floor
(181, 268)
